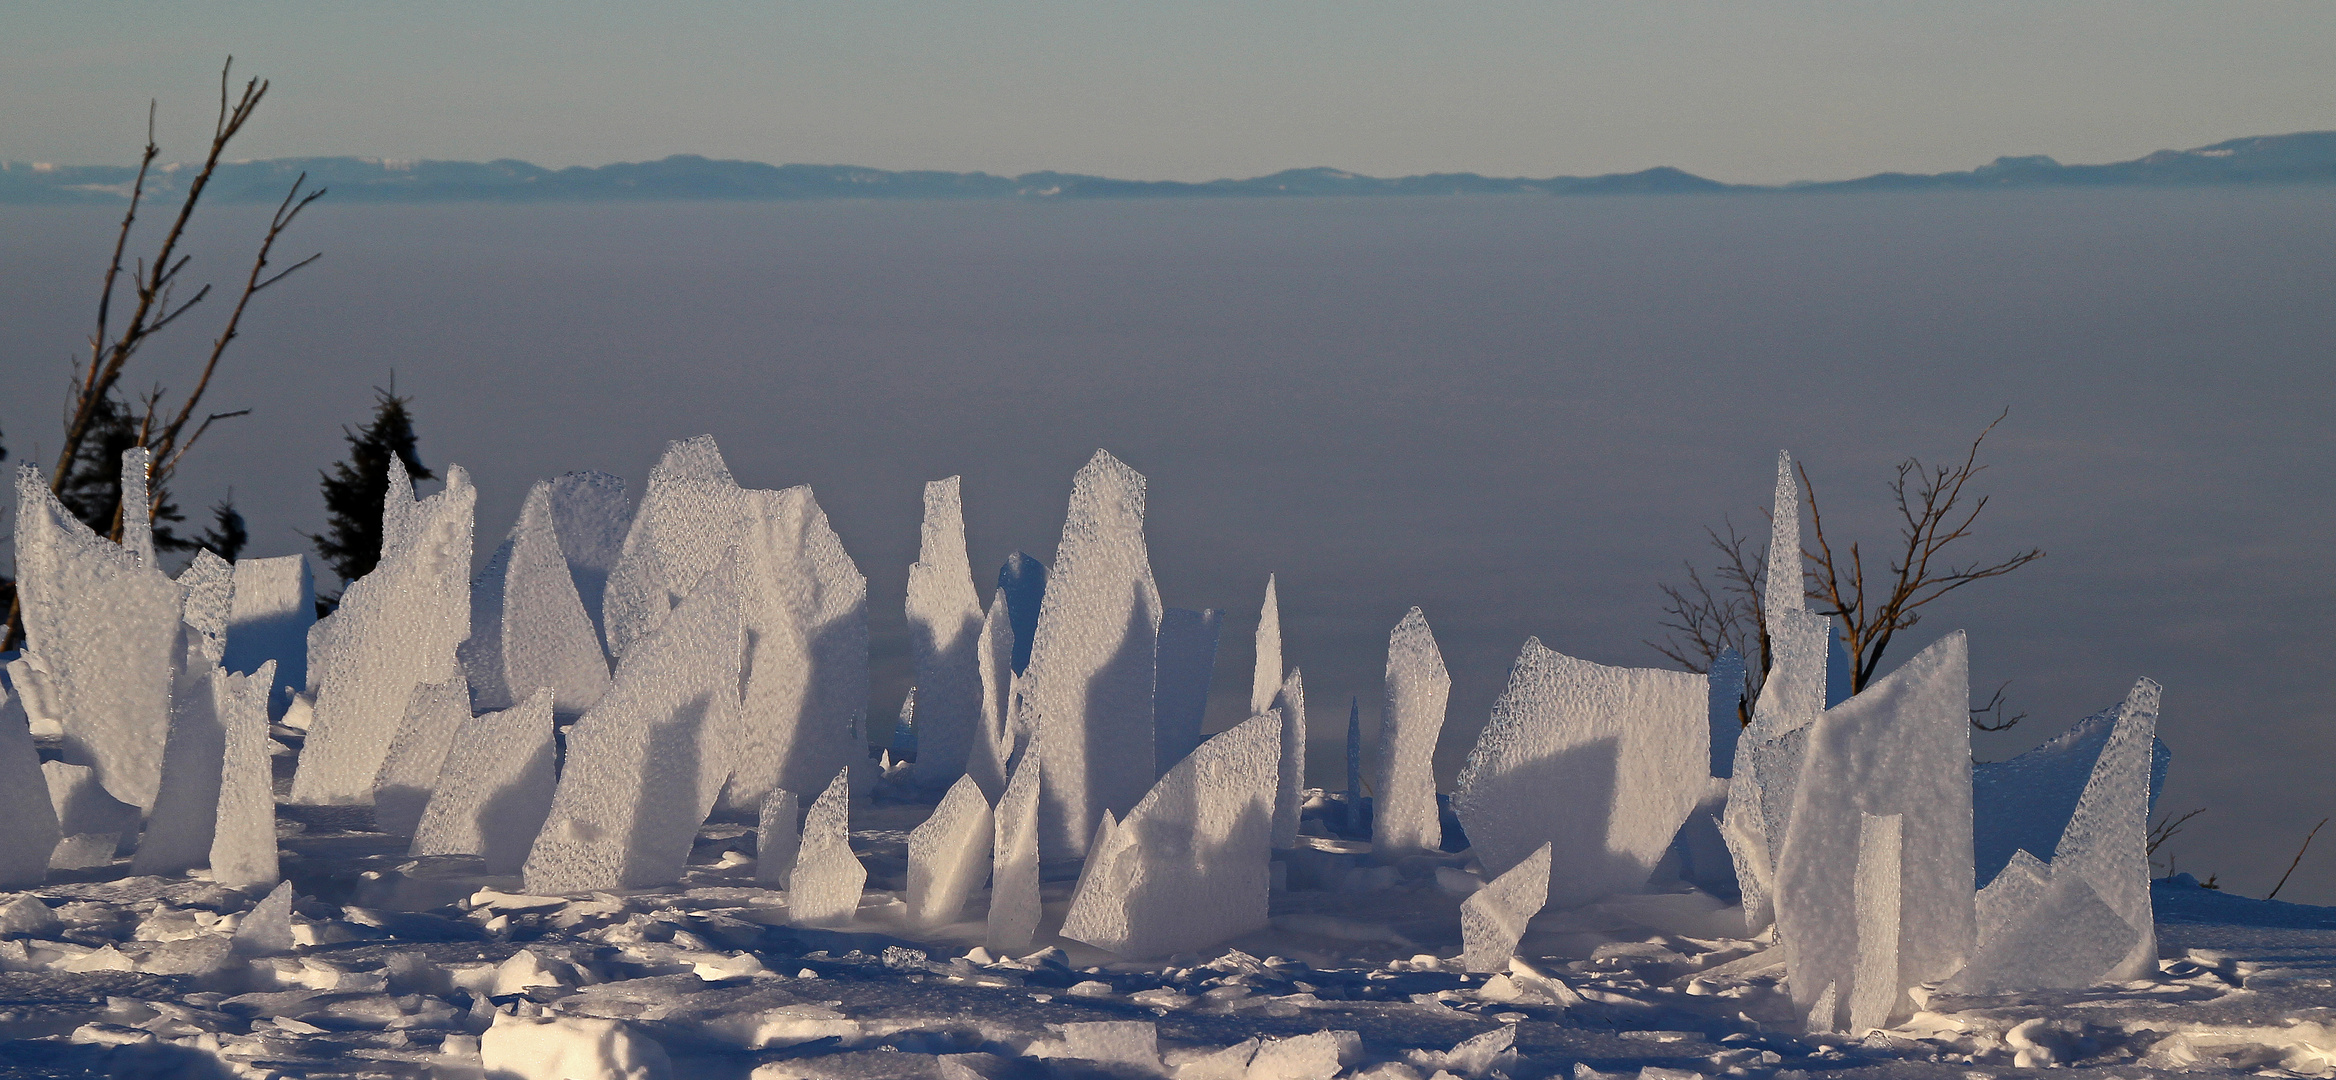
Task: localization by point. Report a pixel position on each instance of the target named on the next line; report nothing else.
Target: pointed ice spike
(944, 629)
(1090, 679)
(1354, 763)
(243, 834)
(1290, 786)
(1266, 679)
(528, 626)
(776, 839)
(32, 833)
(590, 513)
(434, 713)
(993, 746)
(186, 805)
(1902, 747)
(1023, 582)
(107, 628)
(949, 855)
(266, 930)
(1602, 762)
(397, 628)
(690, 514)
(806, 606)
(1188, 659)
(1014, 898)
(494, 787)
(2107, 837)
(1783, 588)
(209, 582)
(824, 887)
(2028, 801)
(1875, 998)
(1404, 817)
(1189, 867)
(275, 604)
(1493, 918)
(644, 765)
(137, 506)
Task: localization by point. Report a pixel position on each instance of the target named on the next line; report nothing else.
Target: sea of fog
(1517, 413)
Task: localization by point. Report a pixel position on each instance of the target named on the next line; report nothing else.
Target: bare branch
(1994, 708)
(2298, 860)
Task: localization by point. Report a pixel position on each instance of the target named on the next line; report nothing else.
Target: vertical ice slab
(1603, 763)
(275, 604)
(1265, 679)
(590, 513)
(106, 625)
(186, 805)
(691, 513)
(1902, 747)
(1875, 998)
(1022, 579)
(806, 612)
(1403, 806)
(1493, 918)
(1090, 679)
(1014, 898)
(2025, 803)
(644, 765)
(494, 787)
(137, 505)
(777, 837)
(997, 745)
(824, 887)
(397, 628)
(25, 846)
(1189, 866)
(1290, 785)
(1180, 700)
(528, 626)
(949, 855)
(434, 713)
(243, 835)
(209, 583)
(944, 631)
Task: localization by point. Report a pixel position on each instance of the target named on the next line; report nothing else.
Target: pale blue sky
(1756, 91)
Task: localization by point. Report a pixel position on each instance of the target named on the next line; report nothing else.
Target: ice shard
(1290, 785)
(137, 505)
(1493, 918)
(949, 855)
(944, 630)
(1090, 679)
(434, 713)
(529, 628)
(1180, 698)
(494, 788)
(824, 887)
(645, 763)
(1403, 806)
(397, 628)
(106, 625)
(186, 805)
(1014, 897)
(1875, 998)
(1190, 865)
(1603, 763)
(243, 834)
(209, 582)
(275, 604)
(32, 835)
(691, 514)
(590, 513)
(1902, 747)
(806, 612)
(777, 837)
(2016, 888)
(1023, 582)
(2025, 803)
(997, 745)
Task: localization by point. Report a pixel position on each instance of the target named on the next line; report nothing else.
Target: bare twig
(1994, 708)
(2166, 827)
(2297, 861)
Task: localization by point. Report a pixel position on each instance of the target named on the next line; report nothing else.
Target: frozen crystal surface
(776, 838)
(494, 787)
(434, 712)
(1875, 998)
(2107, 837)
(1090, 679)
(944, 631)
(25, 846)
(1022, 579)
(1403, 806)
(806, 612)
(186, 806)
(1902, 747)
(2026, 802)
(529, 628)
(690, 514)
(243, 835)
(591, 513)
(1493, 918)
(567, 1047)
(275, 604)
(137, 506)
(266, 930)
(106, 625)
(824, 887)
(1122, 1042)
(1727, 695)
(209, 582)
(1189, 866)
(1188, 660)
(2016, 888)
(949, 855)
(1014, 899)
(1603, 763)
(996, 745)
(644, 765)
(2069, 937)
(1265, 680)
(397, 628)
(1290, 785)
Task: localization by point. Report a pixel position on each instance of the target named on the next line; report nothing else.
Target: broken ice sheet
(1493, 918)
(945, 622)
(529, 628)
(433, 713)
(494, 787)
(949, 855)
(825, 885)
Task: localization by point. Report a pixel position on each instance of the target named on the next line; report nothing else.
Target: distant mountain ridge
(2304, 158)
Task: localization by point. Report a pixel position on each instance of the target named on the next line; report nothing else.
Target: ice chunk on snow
(944, 630)
(186, 806)
(1014, 898)
(1189, 866)
(25, 846)
(1180, 696)
(90, 819)
(645, 763)
(806, 611)
(1902, 747)
(434, 712)
(1123, 1042)
(2026, 802)
(1875, 998)
(1317, 1056)
(2016, 888)
(243, 835)
(1404, 817)
(1290, 787)
(528, 627)
(997, 745)
(690, 514)
(275, 604)
(824, 887)
(1022, 580)
(1493, 918)
(494, 787)
(106, 625)
(949, 855)
(1603, 763)
(266, 930)
(590, 514)
(776, 839)
(2067, 938)
(1090, 678)
(569, 1048)
(397, 628)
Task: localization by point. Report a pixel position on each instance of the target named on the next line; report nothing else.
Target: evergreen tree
(93, 481)
(226, 535)
(354, 489)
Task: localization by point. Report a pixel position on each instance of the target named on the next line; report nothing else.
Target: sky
(1750, 92)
